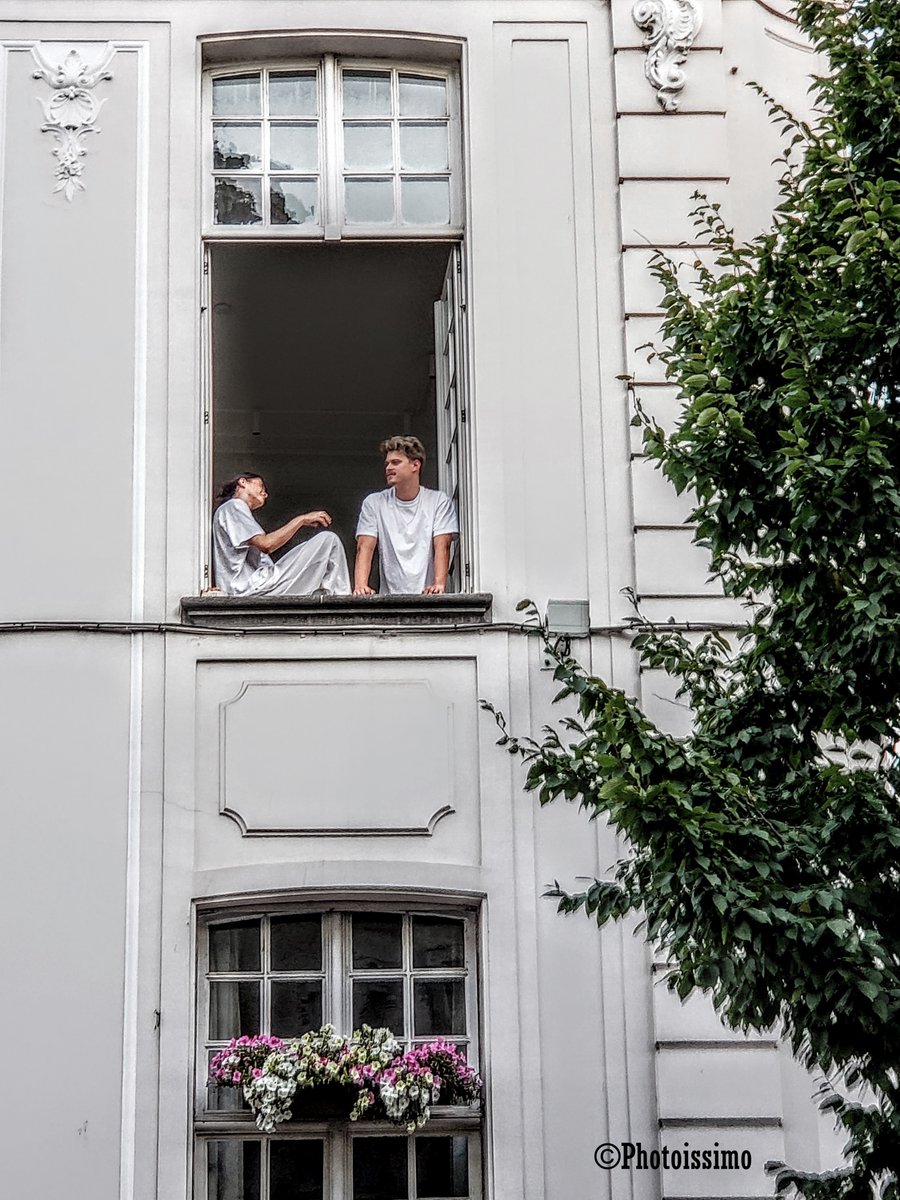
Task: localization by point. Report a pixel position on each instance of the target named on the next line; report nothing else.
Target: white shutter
(206, 419)
(452, 414)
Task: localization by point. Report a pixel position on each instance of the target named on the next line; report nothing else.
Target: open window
(333, 272)
(286, 971)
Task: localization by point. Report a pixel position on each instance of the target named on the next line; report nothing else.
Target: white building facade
(265, 234)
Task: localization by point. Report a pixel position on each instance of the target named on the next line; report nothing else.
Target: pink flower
(236, 1077)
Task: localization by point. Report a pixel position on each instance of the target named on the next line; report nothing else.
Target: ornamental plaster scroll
(670, 28)
(72, 109)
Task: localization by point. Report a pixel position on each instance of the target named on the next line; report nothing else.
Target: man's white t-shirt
(405, 529)
(240, 568)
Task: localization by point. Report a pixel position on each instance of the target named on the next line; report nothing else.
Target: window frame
(336, 1133)
(329, 66)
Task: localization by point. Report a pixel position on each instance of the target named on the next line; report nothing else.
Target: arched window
(288, 970)
(334, 284)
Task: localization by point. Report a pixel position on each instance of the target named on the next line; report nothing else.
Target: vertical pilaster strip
(131, 1012)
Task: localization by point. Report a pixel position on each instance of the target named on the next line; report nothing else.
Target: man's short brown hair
(410, 446)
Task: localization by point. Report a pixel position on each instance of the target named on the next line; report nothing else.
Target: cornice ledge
(670, 28)
(72, 109)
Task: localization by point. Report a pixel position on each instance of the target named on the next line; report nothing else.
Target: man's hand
(435, 589)
(363, 589)
(315, 518)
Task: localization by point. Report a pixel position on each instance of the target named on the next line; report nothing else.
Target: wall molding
(670, 28)
(72, 109)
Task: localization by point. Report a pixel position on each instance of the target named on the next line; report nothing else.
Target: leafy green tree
(764, 846)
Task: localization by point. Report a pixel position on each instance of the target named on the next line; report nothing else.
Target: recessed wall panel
(71, 209)
(545, 192)
(338, 748)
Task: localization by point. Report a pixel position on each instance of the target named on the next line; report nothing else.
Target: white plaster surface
(718, 1083)
(568, 1013)
(675, 145)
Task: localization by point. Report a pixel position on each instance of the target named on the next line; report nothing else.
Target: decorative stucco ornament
(72, 109)
(669, 27)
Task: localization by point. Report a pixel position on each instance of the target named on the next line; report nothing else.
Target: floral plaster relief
(670, 28)
(72, 109)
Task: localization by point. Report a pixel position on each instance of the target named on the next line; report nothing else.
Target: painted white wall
(120, 759)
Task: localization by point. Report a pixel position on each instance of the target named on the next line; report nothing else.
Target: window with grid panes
(286, 972)
(334, 146)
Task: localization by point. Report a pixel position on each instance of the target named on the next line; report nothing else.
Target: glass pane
(296, 1170)
(368, 201)
(425, 201)
(368, 147)
(293, 201)
(234, 947)
(233, 1009)
(296, 943)
(379, 1169)
(295, 148)
(438, 942)
(237, 147)
(232, 1170)
(367, 93)
(440, 1007)
(422, 97)
(379, 1003)
(293, 94)
(377, 941)
(442, 1166)
(224, 1099)
(238, 201)
(237, 96)
(423, 148)
(296, 1006)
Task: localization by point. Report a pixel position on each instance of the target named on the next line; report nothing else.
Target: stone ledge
(227, 612)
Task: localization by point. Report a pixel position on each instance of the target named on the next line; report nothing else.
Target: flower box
(323, 1075)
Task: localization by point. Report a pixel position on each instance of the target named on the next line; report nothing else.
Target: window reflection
(238, 202)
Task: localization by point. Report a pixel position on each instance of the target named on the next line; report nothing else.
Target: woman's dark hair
(229, 488)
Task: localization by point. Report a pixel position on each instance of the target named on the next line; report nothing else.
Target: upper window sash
(330, 148)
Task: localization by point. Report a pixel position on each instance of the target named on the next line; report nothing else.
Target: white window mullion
(266, 155)
(411, 1188)
(409, 1031)
(264, 1169)
(332, 165)
(395, 141)
(341, 972)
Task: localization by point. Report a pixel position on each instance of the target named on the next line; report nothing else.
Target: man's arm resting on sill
(268, 542)
(442, 543)
(365, 552)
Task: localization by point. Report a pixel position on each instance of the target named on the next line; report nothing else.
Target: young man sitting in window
(412, 526)
(241, 548)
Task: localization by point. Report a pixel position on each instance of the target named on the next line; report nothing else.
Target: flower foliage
(765, 845)
(388, 1081)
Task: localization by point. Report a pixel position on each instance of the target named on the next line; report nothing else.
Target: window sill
(462, 1116)
(458, 609)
